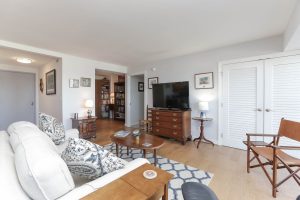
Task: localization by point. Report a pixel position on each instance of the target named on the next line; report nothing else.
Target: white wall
(72, 67)
(136, 100)
(183, 69)
(52, 104)
(73, 98)
(292, 33)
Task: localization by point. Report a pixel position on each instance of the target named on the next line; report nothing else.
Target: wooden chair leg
(248, 154)
(274, 190)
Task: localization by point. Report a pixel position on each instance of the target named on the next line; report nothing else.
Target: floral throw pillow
(89, 160)
(52, 128)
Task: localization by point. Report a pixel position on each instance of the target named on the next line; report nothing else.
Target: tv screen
(171, 95)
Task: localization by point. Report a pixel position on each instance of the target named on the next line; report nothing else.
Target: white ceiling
(8, 57)
(136, 32)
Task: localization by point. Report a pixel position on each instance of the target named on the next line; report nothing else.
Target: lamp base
(89, 112)
(202, 115)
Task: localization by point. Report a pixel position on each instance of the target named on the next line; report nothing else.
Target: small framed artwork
(85, 82)
(141, 86)
(74, 83)
(204, 80)
(41, 85)
(151, 81)
(51, 82)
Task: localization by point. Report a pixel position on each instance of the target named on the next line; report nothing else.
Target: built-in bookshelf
(119, 112)
(103, 92)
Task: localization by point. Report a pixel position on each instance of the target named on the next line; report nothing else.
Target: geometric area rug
(182, 173)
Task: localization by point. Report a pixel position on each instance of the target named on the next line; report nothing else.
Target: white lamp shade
(203, 106)
(89, 103)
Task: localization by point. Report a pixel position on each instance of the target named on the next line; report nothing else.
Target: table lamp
(89, 104)
(203, 106)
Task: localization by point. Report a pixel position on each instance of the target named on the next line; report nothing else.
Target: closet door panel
(282, 96)
(242, 102)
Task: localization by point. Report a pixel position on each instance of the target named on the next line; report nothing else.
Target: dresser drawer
(166, 119)
(166, 132)
(168, 114)
(164, 124)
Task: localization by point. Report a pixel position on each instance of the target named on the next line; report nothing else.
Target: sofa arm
(78, 193)
(108, 178)
(72, 133)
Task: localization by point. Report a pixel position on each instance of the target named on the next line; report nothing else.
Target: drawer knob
(175, 132)
(175, 126)
(157, 130)
(174, 120)
(157, 123)
(157, 117)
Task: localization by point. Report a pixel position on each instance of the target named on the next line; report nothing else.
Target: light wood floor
(230, 181)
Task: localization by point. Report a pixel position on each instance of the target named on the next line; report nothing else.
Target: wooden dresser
(86, 126)
(172, 124)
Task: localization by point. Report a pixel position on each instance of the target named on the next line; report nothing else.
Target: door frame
(221, 65)
(128, 121)
(30, 70)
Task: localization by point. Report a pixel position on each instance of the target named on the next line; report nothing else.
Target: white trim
(262, 57)
(220, 101)
(240, 60)
(128, 99)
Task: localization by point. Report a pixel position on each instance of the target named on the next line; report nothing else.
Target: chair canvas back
(289, 129)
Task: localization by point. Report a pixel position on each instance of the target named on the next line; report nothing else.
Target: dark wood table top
(138, 141)
(202, 119)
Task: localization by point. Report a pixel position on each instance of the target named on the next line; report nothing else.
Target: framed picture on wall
(204, 80)
(141, 86)
(151, 81)
(85, 82)
(74, 83)
(51, 82)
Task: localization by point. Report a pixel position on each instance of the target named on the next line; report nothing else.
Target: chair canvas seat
(275, 155)
(267, 153)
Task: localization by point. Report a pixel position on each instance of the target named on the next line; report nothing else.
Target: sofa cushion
(41, 171)
(9, 183)
(52, 128)
(14, 126)
(89, 160)
(20, 133)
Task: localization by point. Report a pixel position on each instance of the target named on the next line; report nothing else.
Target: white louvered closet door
(282, 94)
(242, 101)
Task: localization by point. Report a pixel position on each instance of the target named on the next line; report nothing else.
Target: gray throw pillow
(52, 128)
(89, 160)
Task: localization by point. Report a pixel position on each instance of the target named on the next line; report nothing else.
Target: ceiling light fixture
(24, 60)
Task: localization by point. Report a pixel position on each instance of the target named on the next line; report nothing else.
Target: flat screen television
(171, 95)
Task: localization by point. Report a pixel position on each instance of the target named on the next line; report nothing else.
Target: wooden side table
(134, 186)
(86, 126)
(202, 137)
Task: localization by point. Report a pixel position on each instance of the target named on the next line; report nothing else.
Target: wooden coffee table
(134, 186)
(137, 142)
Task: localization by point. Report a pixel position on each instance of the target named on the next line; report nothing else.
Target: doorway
(137, 107)
(110, 95)
(17, 98)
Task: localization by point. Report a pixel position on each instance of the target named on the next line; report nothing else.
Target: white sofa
(14, 140)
